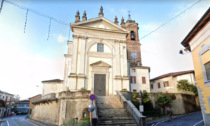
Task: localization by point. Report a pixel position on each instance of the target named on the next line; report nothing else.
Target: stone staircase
(111, 112)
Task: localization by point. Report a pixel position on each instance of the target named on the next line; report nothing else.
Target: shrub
(124, 89)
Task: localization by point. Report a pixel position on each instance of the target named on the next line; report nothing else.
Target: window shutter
(143, 80)
(134, 79)
(131, 79)
(167, 84)
(158, 85)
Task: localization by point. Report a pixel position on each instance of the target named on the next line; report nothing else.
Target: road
(19, 120)
(192, 119)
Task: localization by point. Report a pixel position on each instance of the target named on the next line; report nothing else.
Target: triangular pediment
(99, 23)
(100, 64)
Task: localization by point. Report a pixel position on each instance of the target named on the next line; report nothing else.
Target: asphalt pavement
(19, 120)
(191, 119)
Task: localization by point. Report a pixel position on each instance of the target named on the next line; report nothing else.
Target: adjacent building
(6, 103)
(198, 43)
(167, 83)
(33, 99)
(22, 107)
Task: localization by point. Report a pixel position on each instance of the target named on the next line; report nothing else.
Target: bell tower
(133, 43)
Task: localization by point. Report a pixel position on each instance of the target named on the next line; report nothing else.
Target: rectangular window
(100, 47)
(134, 90)
(133, 79)
(143, 80)
(166, 84)
(133, 70)
(151, 86)
(158, 85)
(207, 67)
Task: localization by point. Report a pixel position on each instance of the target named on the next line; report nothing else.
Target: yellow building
(198, 42)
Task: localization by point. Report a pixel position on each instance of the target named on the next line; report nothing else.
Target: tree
(16, 98)
(186, 86)
(164, 101)
(145, 101)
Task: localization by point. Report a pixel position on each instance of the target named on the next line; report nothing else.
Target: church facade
(103, 57)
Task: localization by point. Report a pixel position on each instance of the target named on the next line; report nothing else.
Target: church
(104, 57)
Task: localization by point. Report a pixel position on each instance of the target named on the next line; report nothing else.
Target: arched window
(132, 35)
(100, 47)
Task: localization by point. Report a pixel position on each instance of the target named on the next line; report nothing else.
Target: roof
(172, 74)
(5, 92)
(141, 67)
(80, 23)
(22, 101)
(200, 24)
(53, 80)
(35, 96)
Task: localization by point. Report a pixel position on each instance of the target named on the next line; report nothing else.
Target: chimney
(115, 20)
(84, 17)
(101, 14)
(122, 23)
(77, 18)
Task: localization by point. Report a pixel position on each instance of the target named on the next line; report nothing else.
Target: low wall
(69, 105)
(181, 103)
(47, 112)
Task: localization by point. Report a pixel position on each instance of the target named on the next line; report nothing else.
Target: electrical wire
(38, 13)
(26, 21)
(2, 2)
(170, 20)
(49, 29)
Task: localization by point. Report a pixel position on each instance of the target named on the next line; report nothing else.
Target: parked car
(11, 113)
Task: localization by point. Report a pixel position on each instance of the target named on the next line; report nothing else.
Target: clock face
(134, 55)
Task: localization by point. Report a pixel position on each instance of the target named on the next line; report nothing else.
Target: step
(115, 117)
(112, 112)
(108, 102)
(116, 124)
(130, 121)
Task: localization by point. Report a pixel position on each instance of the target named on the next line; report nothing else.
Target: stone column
(82, 55)
(117, 58)
(74, 57)
(125, 65)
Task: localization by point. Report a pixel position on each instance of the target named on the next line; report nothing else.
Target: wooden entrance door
(100, 84)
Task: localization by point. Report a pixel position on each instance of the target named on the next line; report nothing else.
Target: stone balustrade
(128, 105)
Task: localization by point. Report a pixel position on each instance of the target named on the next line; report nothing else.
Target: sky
(29, 58)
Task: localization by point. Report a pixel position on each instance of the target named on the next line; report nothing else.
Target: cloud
(61, 38)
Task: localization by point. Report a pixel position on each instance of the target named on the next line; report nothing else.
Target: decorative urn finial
(84, 17)
(115, 20)
(77, 17)
(101, 14)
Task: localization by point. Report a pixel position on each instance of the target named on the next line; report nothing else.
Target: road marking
(7, 123)
(31, 123)
(198, 123)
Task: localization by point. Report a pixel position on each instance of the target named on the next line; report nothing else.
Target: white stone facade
(84, 63)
